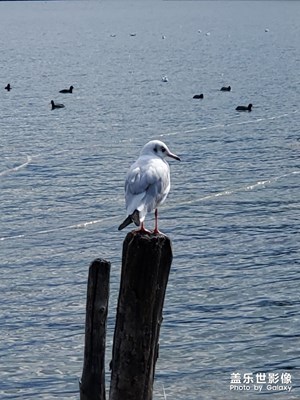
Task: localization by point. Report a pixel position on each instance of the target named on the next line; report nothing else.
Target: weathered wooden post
(146, 263)
(92, 384)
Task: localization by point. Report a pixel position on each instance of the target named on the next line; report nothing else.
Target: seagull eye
(163, 149)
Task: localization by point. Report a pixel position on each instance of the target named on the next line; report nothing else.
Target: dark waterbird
(225, 89)
(198, 96)
(244, 108)
(70, 90)
(7, 87)
(53, 105)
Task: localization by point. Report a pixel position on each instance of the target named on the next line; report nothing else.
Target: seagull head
(159, 149)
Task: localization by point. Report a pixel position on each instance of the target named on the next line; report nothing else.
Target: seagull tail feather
(134, 217)
(126, 222)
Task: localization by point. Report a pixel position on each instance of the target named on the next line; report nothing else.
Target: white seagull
(147, 184)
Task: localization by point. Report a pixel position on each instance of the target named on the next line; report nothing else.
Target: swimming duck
(53, 105)
(225, 89)
(198, 96)
(244, 108)
(165, 79)
(70, 90)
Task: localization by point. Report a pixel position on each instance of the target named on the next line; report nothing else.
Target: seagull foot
(142, 230)
(156, 232)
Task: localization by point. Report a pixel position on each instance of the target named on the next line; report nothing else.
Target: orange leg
(156, 231)
(142, 229)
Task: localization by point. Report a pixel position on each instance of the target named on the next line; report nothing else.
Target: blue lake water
(232, 304)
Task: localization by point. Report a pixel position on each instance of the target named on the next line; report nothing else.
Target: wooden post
(92, 384)
(146, 265)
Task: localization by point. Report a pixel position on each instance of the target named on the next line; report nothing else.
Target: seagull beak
(169, 154)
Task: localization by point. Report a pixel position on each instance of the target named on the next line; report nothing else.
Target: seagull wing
(147, 185)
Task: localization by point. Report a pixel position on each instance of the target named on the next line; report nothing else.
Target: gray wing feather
(146, 186)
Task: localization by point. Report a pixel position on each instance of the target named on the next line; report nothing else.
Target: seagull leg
(156, 231)
(142, 229)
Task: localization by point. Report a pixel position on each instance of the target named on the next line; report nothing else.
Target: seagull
(244, 108)
(56, 105)
(147, 184)
(70, 90)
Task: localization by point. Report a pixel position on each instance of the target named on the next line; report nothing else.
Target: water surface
(232, 303)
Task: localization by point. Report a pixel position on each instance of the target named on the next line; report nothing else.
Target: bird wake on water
(147, 184)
